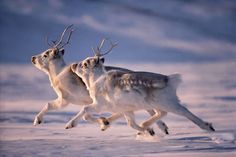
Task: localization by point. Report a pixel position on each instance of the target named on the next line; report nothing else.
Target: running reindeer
(68, 86)
(125, 92)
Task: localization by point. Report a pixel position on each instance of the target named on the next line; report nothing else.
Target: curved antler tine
(68, 39)
(62, 36)
(98, 50)
(46, 39)
(54, 42)
(102, 43)
(94, 51)
(110, 49)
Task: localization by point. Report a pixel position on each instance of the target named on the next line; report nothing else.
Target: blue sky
(146, 31)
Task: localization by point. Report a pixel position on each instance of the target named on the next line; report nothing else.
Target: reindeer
(125, 92)
(69, 87)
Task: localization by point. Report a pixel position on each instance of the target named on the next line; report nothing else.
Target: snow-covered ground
(208, 90)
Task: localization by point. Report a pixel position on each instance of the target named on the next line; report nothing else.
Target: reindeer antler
(60, 44)
(98, 50)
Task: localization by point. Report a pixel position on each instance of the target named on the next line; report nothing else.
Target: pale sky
(153, 31)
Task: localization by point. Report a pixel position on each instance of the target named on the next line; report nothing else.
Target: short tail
(174, 80)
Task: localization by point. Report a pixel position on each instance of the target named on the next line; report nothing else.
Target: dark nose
(33, 59)
(73, 67)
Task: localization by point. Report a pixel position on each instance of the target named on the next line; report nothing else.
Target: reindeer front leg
(105, 122)
(161, 125)
(53, 105)
(84, 112)
(130, 118)
(158, 115)
(145, 126)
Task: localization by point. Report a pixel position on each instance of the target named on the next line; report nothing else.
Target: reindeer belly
(131, 98)
(129, 101)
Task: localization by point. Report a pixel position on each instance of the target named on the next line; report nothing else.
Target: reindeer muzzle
(33, 59)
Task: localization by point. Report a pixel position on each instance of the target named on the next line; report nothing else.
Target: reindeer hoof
(151, 131)
(70, 125)
(37, 120)
(104, 127)
(104, 121)
(164, 128)
(209, 127)
(212, 129)
(166, 131)
(139, 133)
(67, 127)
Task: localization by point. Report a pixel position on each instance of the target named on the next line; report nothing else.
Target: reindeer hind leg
(161, 125)
(158, 114)
(129, 116)
(183, 111)
(83, 112)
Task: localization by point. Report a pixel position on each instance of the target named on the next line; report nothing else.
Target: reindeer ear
(102, 60)
(96, 60)
(48, 51)
(62, 51)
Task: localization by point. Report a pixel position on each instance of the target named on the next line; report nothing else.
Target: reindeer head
(53, 55)
(92, 65)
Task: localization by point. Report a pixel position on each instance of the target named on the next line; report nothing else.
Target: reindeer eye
(85, 65)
